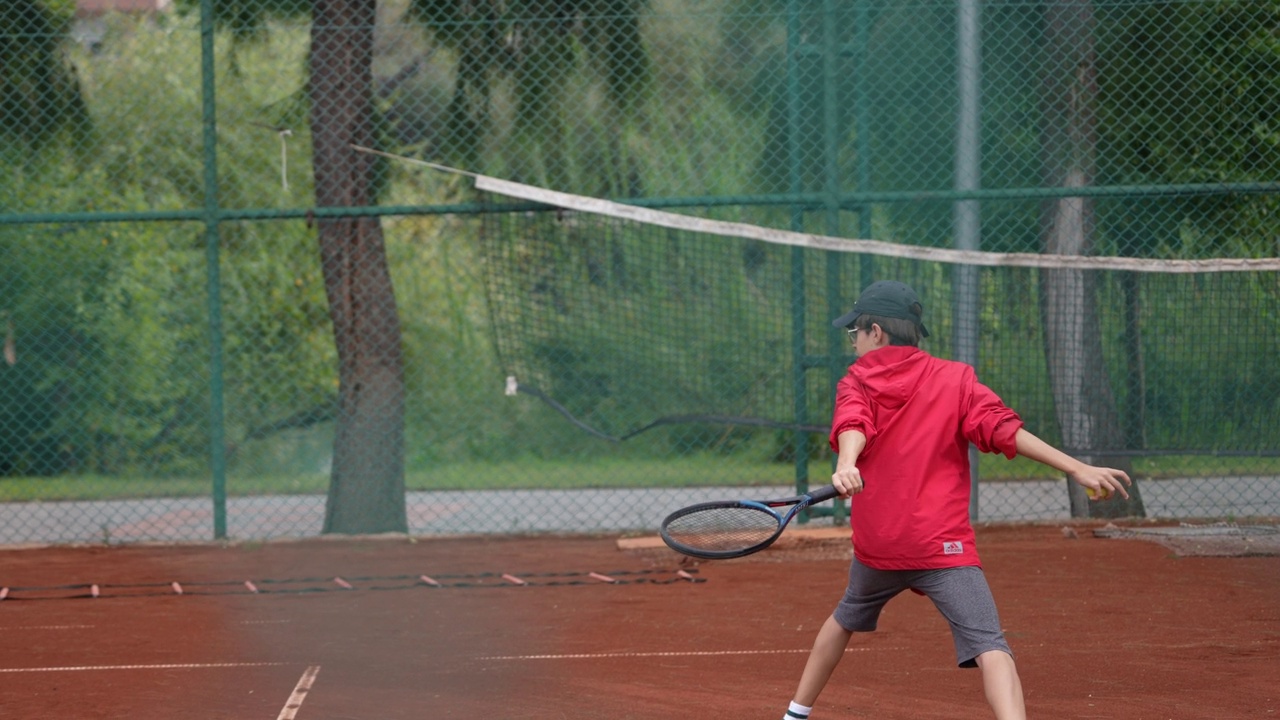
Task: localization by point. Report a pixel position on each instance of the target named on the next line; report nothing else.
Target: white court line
(172, 666)
(299, 694)
(690, 653)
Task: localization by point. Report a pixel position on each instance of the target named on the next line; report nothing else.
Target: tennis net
(627, 319)
(682, 333)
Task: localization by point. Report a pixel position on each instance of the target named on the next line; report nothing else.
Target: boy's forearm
(1099, 482)
(851, 443)
(1030, 446)
(847, 478)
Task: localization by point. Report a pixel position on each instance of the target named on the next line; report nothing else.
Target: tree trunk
(1085, 405)
(366, 489)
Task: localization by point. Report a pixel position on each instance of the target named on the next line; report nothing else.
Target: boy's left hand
(1101, 482)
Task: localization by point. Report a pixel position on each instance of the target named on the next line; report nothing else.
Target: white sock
(797, 711)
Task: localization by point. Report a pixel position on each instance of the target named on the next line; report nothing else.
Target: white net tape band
(677, 221)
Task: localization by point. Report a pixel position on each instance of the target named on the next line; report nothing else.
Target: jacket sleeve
(988, 422)
(853, 411)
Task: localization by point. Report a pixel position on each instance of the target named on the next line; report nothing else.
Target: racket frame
(797, 503)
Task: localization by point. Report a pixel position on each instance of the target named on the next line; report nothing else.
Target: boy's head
(893, 306)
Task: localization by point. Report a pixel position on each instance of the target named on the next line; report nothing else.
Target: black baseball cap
(885, 298)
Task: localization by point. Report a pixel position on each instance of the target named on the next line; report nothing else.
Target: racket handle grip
(823, 494)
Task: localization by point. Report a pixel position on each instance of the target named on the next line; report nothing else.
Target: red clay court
(533, 628)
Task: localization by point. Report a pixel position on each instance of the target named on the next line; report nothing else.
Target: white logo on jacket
(953, 548)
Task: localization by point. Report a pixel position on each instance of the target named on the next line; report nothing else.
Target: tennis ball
(1104, 493)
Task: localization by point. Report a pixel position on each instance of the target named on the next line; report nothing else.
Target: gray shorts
(961, 594)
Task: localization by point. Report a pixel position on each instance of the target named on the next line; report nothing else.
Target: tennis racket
(734, 528)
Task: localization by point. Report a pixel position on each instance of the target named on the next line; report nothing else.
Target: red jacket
(919, 414)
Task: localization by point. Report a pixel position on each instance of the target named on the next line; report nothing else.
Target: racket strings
(723, 529)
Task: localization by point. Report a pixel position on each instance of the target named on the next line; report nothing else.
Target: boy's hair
(900, 332)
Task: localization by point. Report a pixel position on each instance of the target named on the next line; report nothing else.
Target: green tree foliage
(249, 18)
(537, 52)
(1190, 96)
(39, 92)
(110, 320)
(111, 356)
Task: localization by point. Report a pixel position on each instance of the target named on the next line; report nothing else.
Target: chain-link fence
(221, 317)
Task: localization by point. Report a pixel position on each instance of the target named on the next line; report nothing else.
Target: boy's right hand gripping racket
(734, 528)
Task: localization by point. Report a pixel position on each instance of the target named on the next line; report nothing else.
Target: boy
(902, 426)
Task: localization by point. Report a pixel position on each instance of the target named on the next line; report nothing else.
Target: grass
(607, 473)
(699, 470)
(98, 487)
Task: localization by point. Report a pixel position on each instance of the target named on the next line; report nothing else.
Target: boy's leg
(828, 649)
(867, 592)
(964, 599)
(1001, 684)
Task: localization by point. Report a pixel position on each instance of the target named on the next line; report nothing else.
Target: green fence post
(831, 172)
(862, 124)
(217, 430)
(798, 359)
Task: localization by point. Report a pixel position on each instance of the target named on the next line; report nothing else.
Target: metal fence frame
(966, 197)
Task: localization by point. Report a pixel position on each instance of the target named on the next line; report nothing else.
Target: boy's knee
(996, 659)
